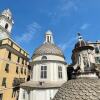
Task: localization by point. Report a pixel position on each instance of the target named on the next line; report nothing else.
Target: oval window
(6, 26)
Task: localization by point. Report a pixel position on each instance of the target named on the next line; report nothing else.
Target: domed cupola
(82, 44)
(48, 47)
(82, 50)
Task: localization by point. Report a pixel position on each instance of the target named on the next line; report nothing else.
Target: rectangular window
(96, 50)
(25, 62)
(22, 61)
(18, 60)
(7, 68)
(20, 50)
(11, 44)
(22, 70)
(17, 69)
(97, 60)
(25, 71)
(9, 55)
(59, 72)
(0, 42)
(43, 71)
(1, 95)
(4, 82)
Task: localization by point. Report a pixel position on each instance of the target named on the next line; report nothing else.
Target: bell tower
(6, 23)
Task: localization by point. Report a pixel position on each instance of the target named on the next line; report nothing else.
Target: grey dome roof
(79, 89)
(48, 48)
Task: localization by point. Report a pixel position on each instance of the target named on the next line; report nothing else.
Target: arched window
(6, 26)
(44, 58)
(59, 72)
(43, 71)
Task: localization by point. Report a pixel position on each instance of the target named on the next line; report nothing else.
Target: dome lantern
(49, 37)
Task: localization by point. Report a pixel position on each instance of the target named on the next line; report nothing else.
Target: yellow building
(14, 60)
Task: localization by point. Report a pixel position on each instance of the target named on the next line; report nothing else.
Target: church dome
(48, 48)
(81, 44)
(79, 89)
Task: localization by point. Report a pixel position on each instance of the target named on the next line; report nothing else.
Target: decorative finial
(79, 36)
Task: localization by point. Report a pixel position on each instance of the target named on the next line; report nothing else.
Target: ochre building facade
(14, 61)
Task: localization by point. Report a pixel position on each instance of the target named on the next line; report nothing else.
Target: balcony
(18, 81)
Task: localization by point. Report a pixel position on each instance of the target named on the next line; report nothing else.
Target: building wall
(52, 76)
(7, 89)
(52, 72)
(96, 54)
(42, 94)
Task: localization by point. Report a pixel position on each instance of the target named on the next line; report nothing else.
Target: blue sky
(32, 18)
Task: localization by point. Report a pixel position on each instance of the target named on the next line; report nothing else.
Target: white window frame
(43, 72)
(60, 72)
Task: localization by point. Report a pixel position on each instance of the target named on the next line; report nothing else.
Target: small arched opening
(6, 26)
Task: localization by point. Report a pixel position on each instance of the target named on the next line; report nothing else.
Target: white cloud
(31, 31)
(68, 5)
(63, 9)
(84, 26)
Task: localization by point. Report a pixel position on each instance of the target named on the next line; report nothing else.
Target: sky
(65, 18)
